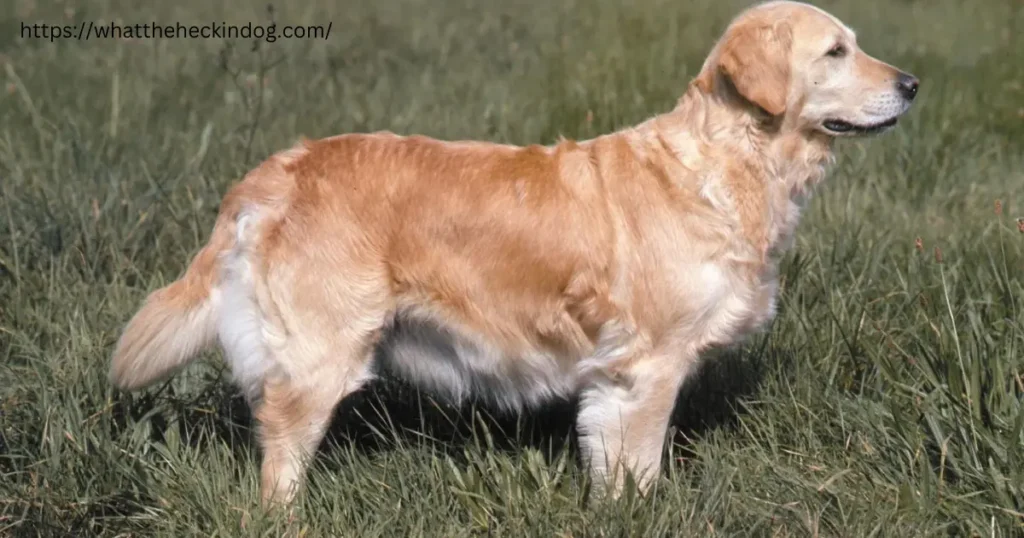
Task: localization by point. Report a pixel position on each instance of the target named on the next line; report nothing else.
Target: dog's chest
(726, 297)
(721, 302)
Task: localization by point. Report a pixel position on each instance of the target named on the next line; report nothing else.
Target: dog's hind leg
(326, 356)
(293, 418)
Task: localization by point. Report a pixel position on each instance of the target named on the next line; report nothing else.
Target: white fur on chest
(726, 300)
(721, 305)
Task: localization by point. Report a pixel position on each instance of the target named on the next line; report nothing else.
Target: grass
(886, 400)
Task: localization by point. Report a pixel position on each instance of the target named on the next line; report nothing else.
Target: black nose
(907, 85)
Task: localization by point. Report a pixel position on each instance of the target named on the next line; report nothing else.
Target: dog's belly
(457, 366)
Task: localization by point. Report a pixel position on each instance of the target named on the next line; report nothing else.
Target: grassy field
(886, 400)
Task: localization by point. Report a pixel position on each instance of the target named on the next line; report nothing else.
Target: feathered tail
(175, 323)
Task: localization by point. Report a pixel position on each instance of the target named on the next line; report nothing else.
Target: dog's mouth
(847, 128)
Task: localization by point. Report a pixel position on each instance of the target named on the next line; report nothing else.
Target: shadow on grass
(385, 416)
(390, 414)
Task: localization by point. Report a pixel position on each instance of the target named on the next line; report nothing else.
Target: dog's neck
(748, 165)
(717, 117)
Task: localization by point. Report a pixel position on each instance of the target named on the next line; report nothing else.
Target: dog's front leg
(623, 418)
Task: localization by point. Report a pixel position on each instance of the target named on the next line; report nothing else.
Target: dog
(599, 270)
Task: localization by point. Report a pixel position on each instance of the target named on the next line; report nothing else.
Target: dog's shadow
(389, 414)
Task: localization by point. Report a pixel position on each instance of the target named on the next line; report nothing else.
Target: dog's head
(802, 65)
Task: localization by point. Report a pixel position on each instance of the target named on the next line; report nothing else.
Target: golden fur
(598, 268)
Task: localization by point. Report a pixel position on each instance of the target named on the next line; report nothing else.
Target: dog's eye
(837, 51)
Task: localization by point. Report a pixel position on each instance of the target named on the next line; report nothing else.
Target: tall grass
(886, 400)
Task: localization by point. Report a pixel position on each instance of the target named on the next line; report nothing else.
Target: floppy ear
(756, 60)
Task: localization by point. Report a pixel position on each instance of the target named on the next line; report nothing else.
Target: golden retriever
(598, 269)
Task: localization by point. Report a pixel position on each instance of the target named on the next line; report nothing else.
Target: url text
(86, 31)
